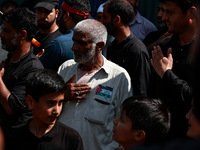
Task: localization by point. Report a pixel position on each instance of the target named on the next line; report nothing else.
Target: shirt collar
(103, 67)
(21, 58)
(49, 135)
(51, 132)
(137, 19)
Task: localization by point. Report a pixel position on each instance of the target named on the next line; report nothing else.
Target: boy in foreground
(45, 96)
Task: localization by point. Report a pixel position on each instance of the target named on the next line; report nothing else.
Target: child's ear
(140, 136)
(30, 101)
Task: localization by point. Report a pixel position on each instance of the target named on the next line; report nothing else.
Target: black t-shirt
(45, 39)
(153, 36)
(60, 137)
(15, 78)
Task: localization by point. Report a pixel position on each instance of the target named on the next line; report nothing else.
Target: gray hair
(96, 29)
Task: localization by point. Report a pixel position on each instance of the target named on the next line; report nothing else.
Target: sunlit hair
(44, 82)
(96, 29)
(22, 19)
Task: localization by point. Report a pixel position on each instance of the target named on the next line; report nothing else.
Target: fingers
(170, 58)
(80, 95)
(169, 53)
(40, 53)
(2, 71)
(76, 91)
(157, 53)
(71, 80)
(82, 92)
(79, 89)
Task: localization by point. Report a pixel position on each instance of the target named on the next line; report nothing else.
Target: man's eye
(50, 103)
(61, 102)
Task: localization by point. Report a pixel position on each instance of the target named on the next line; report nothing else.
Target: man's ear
(22, 34)
(30, 101)
(140, 136)
(66, 16)
(191, 13)
(57, 12)
(100, 46)
(117, 19)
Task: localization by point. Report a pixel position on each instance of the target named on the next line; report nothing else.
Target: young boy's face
(48, 108)
(194, 125)
(123, 132)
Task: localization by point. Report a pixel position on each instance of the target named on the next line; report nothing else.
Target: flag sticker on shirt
(104, 91)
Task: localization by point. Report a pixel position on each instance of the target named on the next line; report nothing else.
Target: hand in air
(161, 63)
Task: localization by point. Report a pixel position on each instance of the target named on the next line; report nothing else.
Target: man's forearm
(4, 95)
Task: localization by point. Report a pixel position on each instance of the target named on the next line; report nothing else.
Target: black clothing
(132, 55)
(153, 36)
(44, 40)
(15, 78)
(60, 137)
(180, 144)
(175, 88)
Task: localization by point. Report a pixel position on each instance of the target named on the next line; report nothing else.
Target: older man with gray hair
(96, 87)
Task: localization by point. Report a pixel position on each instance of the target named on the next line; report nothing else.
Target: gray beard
(88, 57)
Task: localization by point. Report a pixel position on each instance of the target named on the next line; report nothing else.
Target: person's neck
(21, 51)
(123, 32)
(187, 36)
(93, 65)
(39, 129)
(70, 24)
(127, 146)
(52, 29)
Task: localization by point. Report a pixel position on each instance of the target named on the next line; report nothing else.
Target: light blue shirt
(141, 27)
(93, 117)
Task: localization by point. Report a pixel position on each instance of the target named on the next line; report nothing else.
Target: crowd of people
(114, 82)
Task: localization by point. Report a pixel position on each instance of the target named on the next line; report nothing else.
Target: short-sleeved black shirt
(45, 39)
(15, 78)
(60, 137)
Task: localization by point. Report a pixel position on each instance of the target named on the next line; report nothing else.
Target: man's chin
(44, 26)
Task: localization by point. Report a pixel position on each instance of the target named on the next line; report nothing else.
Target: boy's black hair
(44, 82)
(149, 115)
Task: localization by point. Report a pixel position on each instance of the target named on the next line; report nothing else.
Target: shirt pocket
(98, 111)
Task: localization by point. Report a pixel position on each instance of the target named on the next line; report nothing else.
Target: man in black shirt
(45, 95)
(126, 50)
(174, 84)
(46, 13)
(19, 27)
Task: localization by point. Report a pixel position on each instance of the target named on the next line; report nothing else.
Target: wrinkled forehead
(81, 36)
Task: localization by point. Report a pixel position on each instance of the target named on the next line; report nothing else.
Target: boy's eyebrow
(55, 100)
